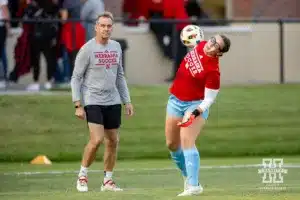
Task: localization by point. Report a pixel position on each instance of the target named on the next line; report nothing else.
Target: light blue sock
(178, 158)
(192, 164)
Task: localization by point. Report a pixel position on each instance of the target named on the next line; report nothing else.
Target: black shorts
(108, 116)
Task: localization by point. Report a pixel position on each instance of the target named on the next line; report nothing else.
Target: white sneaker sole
(81, 188)
(191, 193)
(104, 189)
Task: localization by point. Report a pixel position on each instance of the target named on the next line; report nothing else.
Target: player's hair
(227, 44)
(106, 14)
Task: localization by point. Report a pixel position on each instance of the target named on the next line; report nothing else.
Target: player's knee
(172, 146)
(111, 138)
(112, 142)
(95, 142)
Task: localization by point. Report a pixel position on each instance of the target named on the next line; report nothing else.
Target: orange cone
(41, 160)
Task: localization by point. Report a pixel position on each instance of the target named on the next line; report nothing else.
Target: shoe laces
(83, 180)
(110, 182)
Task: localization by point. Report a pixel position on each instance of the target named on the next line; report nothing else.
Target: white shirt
(2, 3)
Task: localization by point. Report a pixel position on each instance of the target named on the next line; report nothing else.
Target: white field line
(136, 191)
(40, 93)
(286, 166)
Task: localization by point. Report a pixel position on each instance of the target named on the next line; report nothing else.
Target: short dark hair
(106, 14)
(227, 44)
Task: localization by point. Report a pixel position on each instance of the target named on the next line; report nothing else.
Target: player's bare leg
(89, 154)
(111, 141)
(172, 133)
(188, 136)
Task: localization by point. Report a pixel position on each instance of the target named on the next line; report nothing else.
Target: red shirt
(138, 8)
(150, 5)
(196, 72)
(131, 7)
(174, 9)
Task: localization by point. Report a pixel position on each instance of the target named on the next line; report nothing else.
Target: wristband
(196, 113)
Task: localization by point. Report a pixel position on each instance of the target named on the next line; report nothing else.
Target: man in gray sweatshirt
(98, 89)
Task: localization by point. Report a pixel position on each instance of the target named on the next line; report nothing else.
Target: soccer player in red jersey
(193, 91)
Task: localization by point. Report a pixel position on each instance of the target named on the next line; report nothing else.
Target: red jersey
(197, 71)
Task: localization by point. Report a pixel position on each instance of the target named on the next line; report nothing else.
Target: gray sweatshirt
(91, 9)
(98, 76)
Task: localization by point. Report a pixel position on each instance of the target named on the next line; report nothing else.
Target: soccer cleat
(191, 191)
(110, 185)
(82, 184)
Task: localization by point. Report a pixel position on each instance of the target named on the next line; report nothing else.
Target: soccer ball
(191, 35)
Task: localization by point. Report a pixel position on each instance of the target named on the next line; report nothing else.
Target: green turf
(26, 166)
(142, 181)
(250, 120)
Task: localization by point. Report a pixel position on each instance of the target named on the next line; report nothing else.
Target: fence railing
(173, 22)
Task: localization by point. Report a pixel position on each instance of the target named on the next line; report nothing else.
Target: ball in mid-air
(191, 35)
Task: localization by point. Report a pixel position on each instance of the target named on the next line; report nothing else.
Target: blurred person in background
(22, 50)
(146, 9)
(22, 5)
(195, 11)
(13, 6)
(154, 9)
(194, 8)
(43, 39)
(164, 32)
(99, 88)
(73, 34)
(132, 10)
(91, 9)
(175, 9)
(70, 9)
(4, 30)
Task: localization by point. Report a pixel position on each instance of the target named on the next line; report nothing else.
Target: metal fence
(279, 22)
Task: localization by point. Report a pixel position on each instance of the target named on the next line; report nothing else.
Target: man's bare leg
(89, 154)
(111, 141)
(90, 150)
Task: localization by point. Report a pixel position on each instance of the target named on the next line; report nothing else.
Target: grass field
(147, 180)
(250, 120)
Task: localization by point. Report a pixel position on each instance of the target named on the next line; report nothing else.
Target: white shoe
(48, 85)
(191, 191)
(34, 87)
(82, 184)
(185, 183)
(110, 185)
